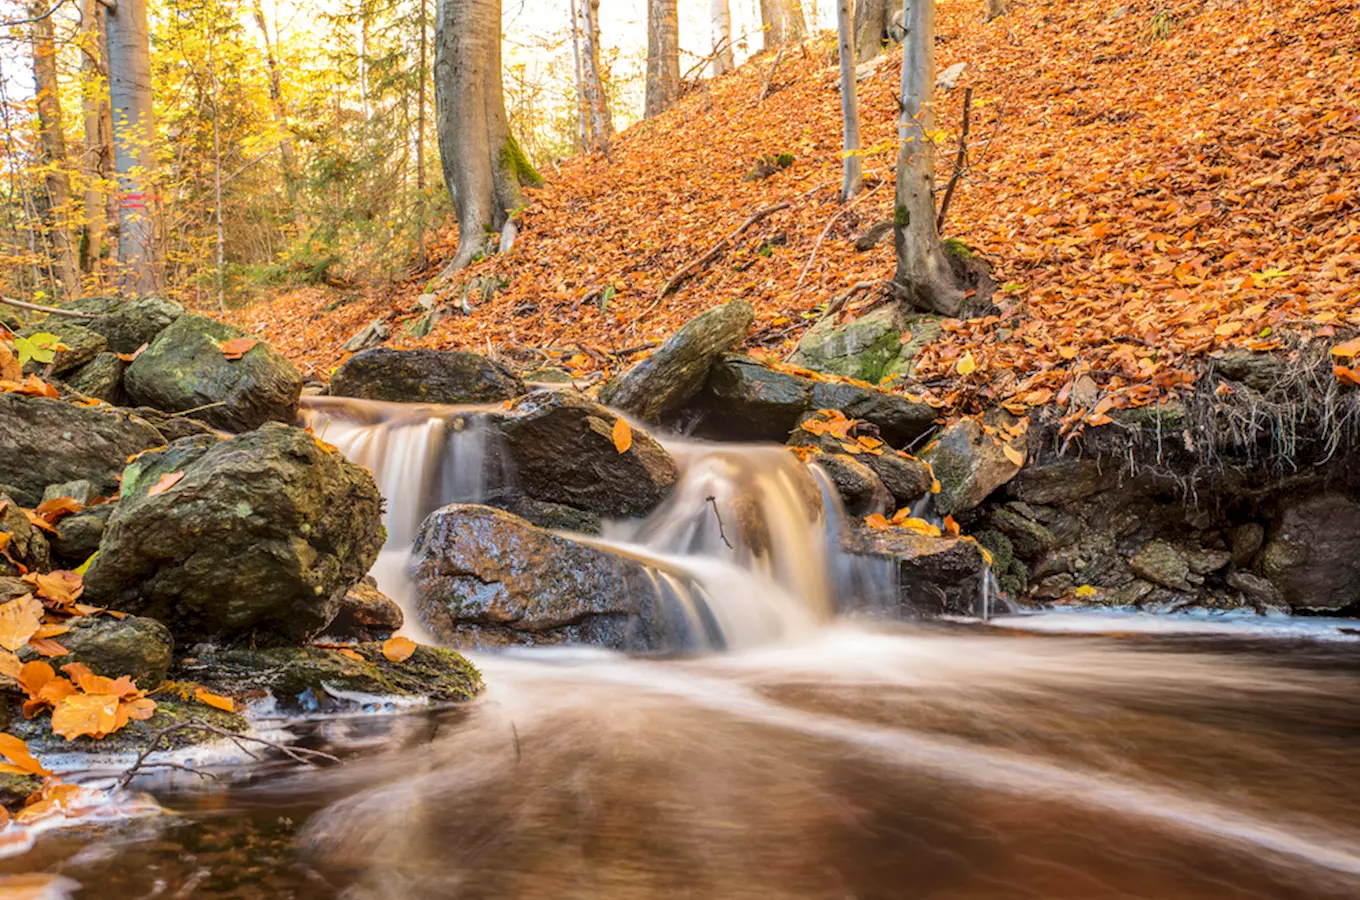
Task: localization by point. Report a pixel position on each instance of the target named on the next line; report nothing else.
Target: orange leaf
(10, 665)
(216, 701)
(86, 715)
(60, 587)
(19, 618)
(398, 649)
(165, 483)
(16, 751)
(1013, 454)
(1346, 375)
(876, 521)
(237, 347)
(1347, 350)
(951, 527)
(623, 436)
(47, 647)
(57, 507)
(351, 654)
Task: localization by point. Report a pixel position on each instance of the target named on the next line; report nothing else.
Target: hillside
(1150, 183)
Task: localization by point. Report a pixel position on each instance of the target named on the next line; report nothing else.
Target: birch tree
(923, 270)
(129, 61)
(720, 18)
(98, 138)
(782, 22)
(56, 202)
(853, 179)
(597, 103)
(483, 164)
(663, 57)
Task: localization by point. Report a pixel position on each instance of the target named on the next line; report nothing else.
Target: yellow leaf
(352, 654)
(85, 566)
(398, 649)
(1348, 349)
(623, 436)
(1085, 591)
(966, 365)
(216, 701)
(81, 715)
(1013, 455)
(935, 486)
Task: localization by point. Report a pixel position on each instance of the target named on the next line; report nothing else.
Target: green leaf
(41, 347)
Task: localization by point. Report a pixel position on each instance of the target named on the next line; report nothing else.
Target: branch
(959, 159)
(47, 15)
(298, 754)
(688, 270)
(50, 310)
(821, 237)
(765, 90)
(717, 515)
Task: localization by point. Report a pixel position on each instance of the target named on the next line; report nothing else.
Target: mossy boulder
(424, 376)
(871, 348)
(81, 345)
(260, 535)
(746, 400)
(132, 323)
(184, 369)
(134, 645)
(100, 378)
(79, 535)
(677, 370)
(134, 737)
(45, 441)
(970, 464)
(861, 491)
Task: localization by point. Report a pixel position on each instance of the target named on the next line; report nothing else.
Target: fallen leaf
(951, 527)
(967, 365)
(61, 588)
(57, 508)
(216, 701)
(1013, 454)
(10, 665)
(351, 654)
(164, 483)
(398, 649)
(237, 347)
(623, 436)
(86, 715)
(1348, 349)
(17, 752)
(47, 647)
(19, 618)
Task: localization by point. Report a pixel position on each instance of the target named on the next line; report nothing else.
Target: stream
(780, 750)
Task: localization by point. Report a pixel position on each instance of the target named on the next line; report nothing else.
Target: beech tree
(876, 23)
(129, 62)
(601, 125)
(853, 178)
(923, 269)
(98, 138)
(663, 57)
(720, 18)
(483, 164)
(782, 22)
(56, 203)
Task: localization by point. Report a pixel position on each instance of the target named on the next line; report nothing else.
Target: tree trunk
(995, 9)
(134, 126)
(420, 138)
(52, 152)
(922, 267)
(582, 121)
(98, 141)
(873, 26)
(720, 15)
(782, 22)
(663, 56)
(853, 179)
(483, 164)
(597, 102)
(280, 112)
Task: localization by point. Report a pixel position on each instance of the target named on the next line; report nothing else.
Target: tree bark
(98, 142)
(923, 269)
(852, 180)
(582, 121)
(597, 102)
(720, 15)
(483, 164)
(52, 152)
(782, 22)
(663, 56)
(421, 257)
(280, 111)
(134, 127)
(873, 27)
(995, 9)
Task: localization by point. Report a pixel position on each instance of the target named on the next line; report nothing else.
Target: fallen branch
(827, 230)
(688, 270)
(765, 90)
(717, 515)
(297, 754)
(629, 351)
(959, 160)
(50, 310)
(188, 412)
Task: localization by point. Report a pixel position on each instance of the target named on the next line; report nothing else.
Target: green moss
(784, 160)
(1171, 416)
(956, 247)
(901, 218)
(877, 359)
(513, 158)
(135, 736)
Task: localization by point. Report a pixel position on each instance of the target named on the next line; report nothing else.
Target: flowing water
(818, 757)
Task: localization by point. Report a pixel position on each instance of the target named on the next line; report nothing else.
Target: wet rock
(1054, 587)
(134, 737)
(748, 401)
(861, 490)
(262, 534)
(563, 449)
(907, 478)
(82, 345)
(548, 375)
(869, 348)
(134, 645)
(425, 376)
(935, 575)
(100, 378)
(311, 678)
(172, 426)
(366, 614)
(900, 419)
(1010, 573)
(1062, 482)
(1028, 537)
(1257, 591)
(79, 535)
(26, 546)
(130, 324)
(485, 577)
(1247, 541)
(1312, 556)
(1161, 563)
(1205, 562)
(678, 369)
(15, 789)
(184, 369)
(969, 464)
(553, 516)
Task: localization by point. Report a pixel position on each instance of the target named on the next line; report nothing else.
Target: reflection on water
(931, 763)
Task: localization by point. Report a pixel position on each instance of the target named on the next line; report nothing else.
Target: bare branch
(50, 310)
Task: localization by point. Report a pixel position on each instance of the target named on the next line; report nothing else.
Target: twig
(717, 515)
(959, 159)
(50, 310)
(765, 91)
(302, 755)
(827, 230)
(629, 351)
(687, 270)
(197, 409)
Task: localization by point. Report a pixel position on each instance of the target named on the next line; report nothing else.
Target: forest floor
(1151, 183)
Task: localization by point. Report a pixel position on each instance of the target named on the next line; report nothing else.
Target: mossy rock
(127, 326)
(135, 737)
(15, 789)
(82, 345)
(1171, 417)
(100, 378)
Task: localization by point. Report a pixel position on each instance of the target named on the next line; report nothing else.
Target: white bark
(852, 179)
(720, 16)
(134, 128)
(97, 140)
(597, 103)
(782, 22)
(52, 150)
(663, 56)
(922, 267)
(279, 110)
(582, 122)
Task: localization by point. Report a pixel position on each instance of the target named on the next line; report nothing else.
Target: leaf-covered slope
(1151, 182)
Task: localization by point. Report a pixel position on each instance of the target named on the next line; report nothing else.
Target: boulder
(78, 536)
(1247, 541)
(553, 516)
(134, 646)
(677, 370)
(366, 613)
(1312, 555)
(870, 348)
(861, 491)
(100, 378)
(563, 450)
(79, 490)
(907, 478)
(45, 441)
(486, 577)
(1256, 590)
(425, 376)
(1028, 537)
(901, 420)
(262, 534)
(969, 464)
(132, 323)
(934, 575)
(82, 345)
(1062, 482)
(26, 545)
(746, 400)
(185, 369)
(172, 427)
(136, 736)
(1163, 564)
